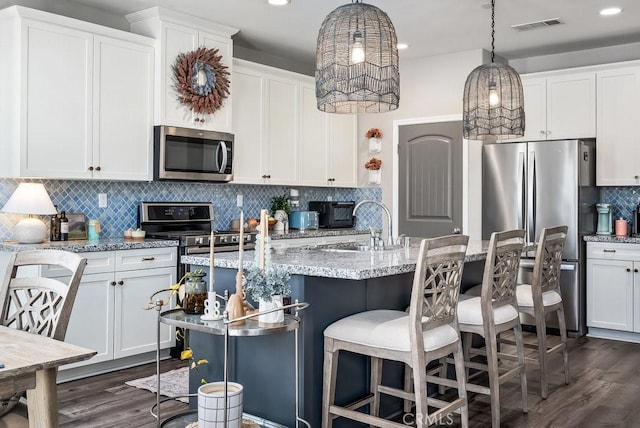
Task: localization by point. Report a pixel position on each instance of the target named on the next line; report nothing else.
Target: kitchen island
(336, 283)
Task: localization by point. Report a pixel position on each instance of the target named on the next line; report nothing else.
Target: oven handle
(219, 249)
(197, 250)
(529, 264)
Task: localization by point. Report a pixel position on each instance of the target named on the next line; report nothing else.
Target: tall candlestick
(264, 227)
(212, 281)
(241, 249)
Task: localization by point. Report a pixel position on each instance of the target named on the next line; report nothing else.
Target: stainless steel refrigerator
(532, 185)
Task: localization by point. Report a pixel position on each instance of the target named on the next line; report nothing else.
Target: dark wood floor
(604, 392)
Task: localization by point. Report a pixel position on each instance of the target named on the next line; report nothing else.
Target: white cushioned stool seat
(525, 298)
(470, 312)
(387, 329)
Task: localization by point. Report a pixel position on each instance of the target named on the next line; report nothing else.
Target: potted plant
(268, 287)
(374, 135)
(374, 165)
(280, 209)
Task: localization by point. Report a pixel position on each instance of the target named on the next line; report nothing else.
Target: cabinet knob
(264, 175)
(636, 176)
(542, 132)
(90, 168)
(121, 282)
(268, 176)
(548, 132)
(113, 283)
(636, 270)
(628, 269)
(98, 168)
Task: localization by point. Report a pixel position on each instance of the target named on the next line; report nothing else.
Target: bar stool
(428, 332)
(495, 312)
(543, 297)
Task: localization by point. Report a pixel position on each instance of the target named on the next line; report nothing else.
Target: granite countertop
(85, 246)
(357, 265)
(318, 233)
(613, 239)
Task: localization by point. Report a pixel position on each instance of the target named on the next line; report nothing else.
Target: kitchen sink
(350, 248)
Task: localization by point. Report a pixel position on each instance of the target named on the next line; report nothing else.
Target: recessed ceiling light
(402, 46)
(279, 2)
(610, 11)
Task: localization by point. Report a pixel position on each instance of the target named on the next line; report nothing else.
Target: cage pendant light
(493, 102)
(357, 61)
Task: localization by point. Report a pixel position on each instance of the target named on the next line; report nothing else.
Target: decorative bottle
(64, 226)
(54, 228)
(195, 293)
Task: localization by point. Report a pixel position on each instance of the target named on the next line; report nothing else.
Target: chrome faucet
(385, 209)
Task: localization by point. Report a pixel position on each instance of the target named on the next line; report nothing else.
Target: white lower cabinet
(108, 314)
(613, 290)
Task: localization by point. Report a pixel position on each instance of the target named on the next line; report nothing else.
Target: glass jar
(195, 293)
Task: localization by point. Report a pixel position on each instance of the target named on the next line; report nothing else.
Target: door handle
(223, 164)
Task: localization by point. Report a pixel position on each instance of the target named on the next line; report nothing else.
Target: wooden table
(30, 363)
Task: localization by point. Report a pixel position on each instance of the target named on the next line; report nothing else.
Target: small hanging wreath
(202, 81)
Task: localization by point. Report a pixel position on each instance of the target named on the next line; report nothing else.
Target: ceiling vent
(537, 24)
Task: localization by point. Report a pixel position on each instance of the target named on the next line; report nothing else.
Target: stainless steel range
(190, 223)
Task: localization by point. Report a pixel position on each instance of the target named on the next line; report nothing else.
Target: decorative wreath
(202, 81)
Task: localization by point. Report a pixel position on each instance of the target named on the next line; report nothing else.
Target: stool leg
(458, 359)
(467, 339)
(443, 374)
(517, 332)
(494, 377)
(376, 377)
(562, 325)
(330, 371)
(408, 386)
(541, 328)
(420, 387)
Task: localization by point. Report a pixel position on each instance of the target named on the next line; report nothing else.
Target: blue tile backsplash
(123, 199)
(623, 199)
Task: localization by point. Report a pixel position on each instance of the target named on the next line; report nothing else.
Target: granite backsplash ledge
(123, 198)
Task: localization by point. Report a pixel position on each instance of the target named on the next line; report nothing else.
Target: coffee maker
(605, 219)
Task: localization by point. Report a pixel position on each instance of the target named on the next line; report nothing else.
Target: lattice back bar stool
(542, 297)
(36, 304)
(427, 332)
(495, 312)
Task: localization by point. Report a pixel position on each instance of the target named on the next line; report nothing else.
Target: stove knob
(199, 240)
(235, 238)
(223, 239)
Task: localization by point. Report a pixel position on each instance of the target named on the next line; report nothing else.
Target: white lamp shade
(30, 198)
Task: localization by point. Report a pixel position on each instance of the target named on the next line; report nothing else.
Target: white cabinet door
(342, 150)
(571, 106)
(91, 322)
(280, 153)
(617, 147)
(56, 126)
(175, 39)
(123, 106)
(610, 294)
(314, 161)
(135, 329)
(221, 119)
(248, 95)
(535, 109)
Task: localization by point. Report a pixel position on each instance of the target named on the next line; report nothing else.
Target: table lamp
(31, 199)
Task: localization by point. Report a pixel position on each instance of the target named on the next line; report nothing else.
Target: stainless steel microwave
(192, 154)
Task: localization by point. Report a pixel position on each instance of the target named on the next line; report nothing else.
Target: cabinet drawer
(97, 262)
(609, 251)
(146, 258)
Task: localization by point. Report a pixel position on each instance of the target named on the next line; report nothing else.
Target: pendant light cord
(493, 29)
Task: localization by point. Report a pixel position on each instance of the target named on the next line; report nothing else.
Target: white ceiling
(430, 27)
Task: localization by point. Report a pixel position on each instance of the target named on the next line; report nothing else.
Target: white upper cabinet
(265, 120)
(79, 103)
(559, 106)
(280, 135)
(178, 33)
(618, 161)
(327, 144)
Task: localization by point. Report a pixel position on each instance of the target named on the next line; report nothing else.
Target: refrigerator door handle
(529, 264)
(522, 191)
(531, 193)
